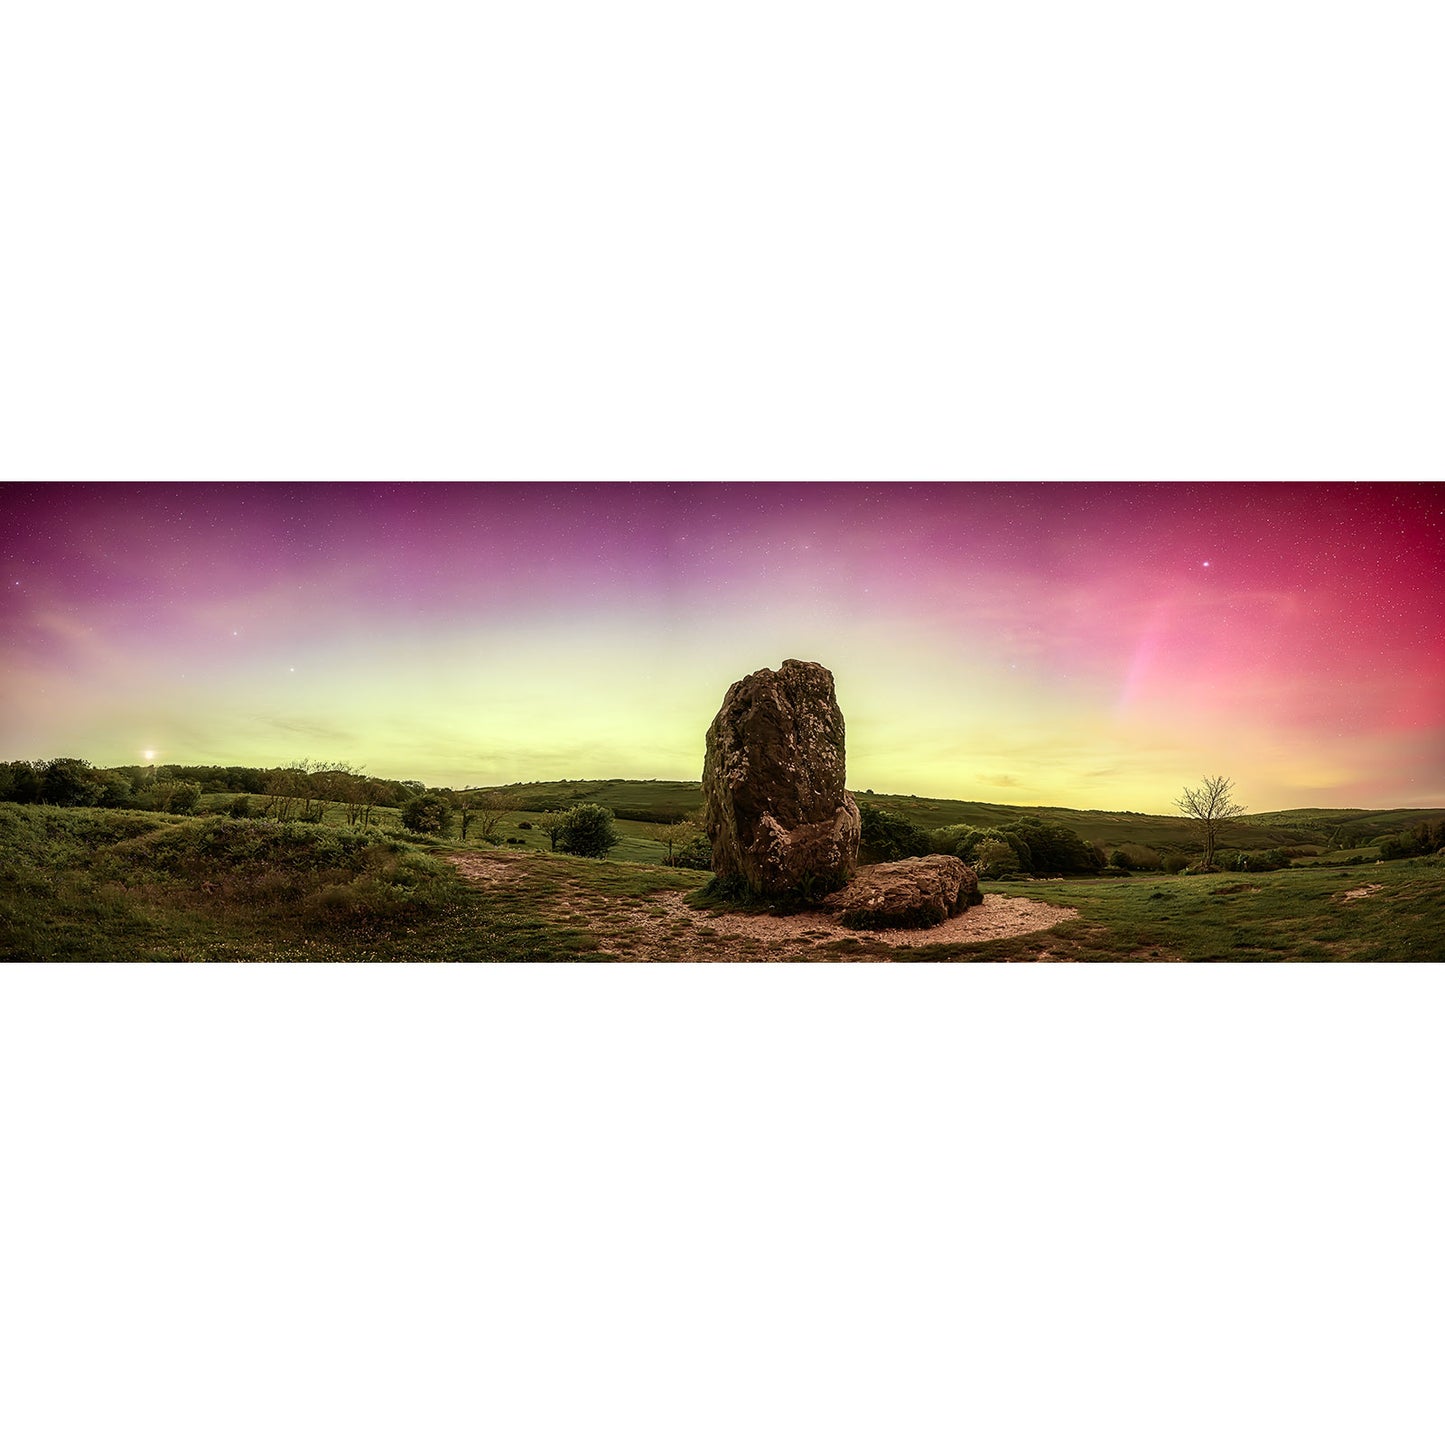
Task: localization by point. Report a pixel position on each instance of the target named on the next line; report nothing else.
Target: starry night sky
(1091, 645)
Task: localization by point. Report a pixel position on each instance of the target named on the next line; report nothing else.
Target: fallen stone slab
(912, 893)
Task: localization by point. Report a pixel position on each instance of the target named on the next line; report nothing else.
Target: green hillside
(84, 883)
(660, 800)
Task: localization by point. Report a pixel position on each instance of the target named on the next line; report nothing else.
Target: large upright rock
(778, 815)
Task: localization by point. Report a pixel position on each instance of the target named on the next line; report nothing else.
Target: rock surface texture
(912, 893)
(778, 815)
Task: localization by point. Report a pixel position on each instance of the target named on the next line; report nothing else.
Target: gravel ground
(663, 928)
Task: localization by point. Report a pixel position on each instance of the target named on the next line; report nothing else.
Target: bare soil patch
(662, 927)
(1362, 892)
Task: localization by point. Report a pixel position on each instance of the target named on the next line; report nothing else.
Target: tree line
(1028, 845)
(297, 792)
(1414, 842)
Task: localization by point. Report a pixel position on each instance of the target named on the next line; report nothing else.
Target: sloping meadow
(81, 883)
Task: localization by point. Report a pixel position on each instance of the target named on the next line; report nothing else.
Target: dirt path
(663, 928)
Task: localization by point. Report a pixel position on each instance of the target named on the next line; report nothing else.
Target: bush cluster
(1030, 845)
(888, 836)
(695, 854)
(430, 813)
(1414, 842)
(1266, 862)
(588, 831)
(1027, 846)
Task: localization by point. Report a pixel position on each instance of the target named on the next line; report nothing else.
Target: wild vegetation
(339, 793)
(322, 862)
(81, 883)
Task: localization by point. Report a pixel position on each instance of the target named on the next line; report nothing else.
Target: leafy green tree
(184, 798)
(115, 790)
(993, 857)
(69, 783)
(1406, 844)
(889, 836)
(552, 823)
(960, 840)
(240, 806)
(430, 813)
(1017, 837)
(589, 831)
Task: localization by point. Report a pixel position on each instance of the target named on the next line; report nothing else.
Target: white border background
(775, 1204)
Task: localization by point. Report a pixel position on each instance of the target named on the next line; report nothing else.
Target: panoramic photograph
(723, 721)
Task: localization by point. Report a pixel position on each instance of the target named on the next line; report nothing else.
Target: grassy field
(636, 846)
(1294, 914)
(88, 884)
(109, 884)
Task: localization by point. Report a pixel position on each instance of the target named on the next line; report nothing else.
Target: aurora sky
(1089, 645)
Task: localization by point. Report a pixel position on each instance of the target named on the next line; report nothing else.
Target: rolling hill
(659, 800)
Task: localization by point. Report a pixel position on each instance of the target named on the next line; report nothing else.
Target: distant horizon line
(920, 797)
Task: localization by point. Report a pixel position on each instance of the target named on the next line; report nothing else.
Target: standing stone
(778, 815)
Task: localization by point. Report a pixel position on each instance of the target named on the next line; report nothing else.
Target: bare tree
(374, 794)
(486, 810)
(344, 784)
(1209, 805)
(282, 788)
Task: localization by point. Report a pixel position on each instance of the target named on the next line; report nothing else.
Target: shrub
(69, 783)
(1174, 862)
(993, 858)
(960, 840)
(115, 790)
(184, 799)
(1052, 848)
(1267, 862)
(240, 806)
(888, 836)
(525, 827)
(1121, 860)
(1410, 844)
(588, 831)
(20, 782)
(429, 813)
(696, 854)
